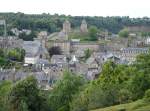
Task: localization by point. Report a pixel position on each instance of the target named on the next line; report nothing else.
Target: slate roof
(59, 59)
(134, 49)
(31, 48)
(42, 61)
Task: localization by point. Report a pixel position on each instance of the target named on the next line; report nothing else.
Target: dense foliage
(25, 96)
(16, 54)
(116, 84)
(64, 90)
(5, 88)
(11, 58)
(53, 23)
(29, 37)
(93, 33)
(8, 58)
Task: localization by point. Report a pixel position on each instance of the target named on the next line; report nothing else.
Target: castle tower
(66, 27)
(83, 27)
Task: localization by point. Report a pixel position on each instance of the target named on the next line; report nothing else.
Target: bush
(121, 109)
(124, 33)
(93, 33)
(147, 95)
(124, 96)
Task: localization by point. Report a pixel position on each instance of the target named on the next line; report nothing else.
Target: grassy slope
(78, 35)
(139, 105)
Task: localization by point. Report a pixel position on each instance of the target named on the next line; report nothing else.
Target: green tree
(1, 52)
(16, 54)
(139, 82)
(26, 37)
(110, 88)
(87, 54)
(3, 62)
(79, 101)
(93, 33)
(142, 63)
(5, 87)
(25, 96)
(124, 33)
(147, 96)
(64, 90)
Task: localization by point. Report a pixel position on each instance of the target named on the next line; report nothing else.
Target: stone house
(34, 51)
(130, 53)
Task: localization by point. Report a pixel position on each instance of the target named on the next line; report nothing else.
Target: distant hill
(53, 23)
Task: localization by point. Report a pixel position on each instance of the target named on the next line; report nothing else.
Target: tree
(1, 52)
(26, 37)
(139, 82)
(56, 50)
(5, 87)
(147, 96)
(145, 34)
(79, 102)
(87, 53)
(16, 54)
(93, 33)
(64, 90)
(24, 96)
(124, 33)
(4, 62)
(110, 88)
(142, 63)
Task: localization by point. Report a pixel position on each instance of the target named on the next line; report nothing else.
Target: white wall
(31, 60)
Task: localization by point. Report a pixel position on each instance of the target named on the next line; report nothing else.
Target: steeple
(83, 27)
(66, 27)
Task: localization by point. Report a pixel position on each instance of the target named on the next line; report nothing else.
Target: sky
(132, 8)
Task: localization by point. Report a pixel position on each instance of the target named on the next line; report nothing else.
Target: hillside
(53, 23)
(139, 105)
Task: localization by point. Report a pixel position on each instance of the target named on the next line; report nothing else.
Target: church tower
(66, 27)
(83, 27)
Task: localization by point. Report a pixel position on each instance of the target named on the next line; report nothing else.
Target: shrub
(147, 95)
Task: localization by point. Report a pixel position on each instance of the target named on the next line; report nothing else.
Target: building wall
(84, 46)
(130, 55)
(67, 46)
(64, 45)
(31, 60)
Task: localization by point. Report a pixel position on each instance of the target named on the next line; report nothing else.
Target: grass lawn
(139, 105)
(82, 37)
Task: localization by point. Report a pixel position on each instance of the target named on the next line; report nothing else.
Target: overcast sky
(132, 8)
